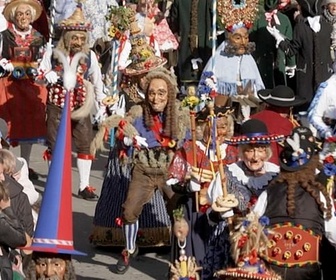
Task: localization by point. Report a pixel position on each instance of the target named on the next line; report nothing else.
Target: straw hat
(142, 54)
(76, 22)
(36, 5)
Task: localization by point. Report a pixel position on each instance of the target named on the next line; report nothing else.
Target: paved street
(99, 262)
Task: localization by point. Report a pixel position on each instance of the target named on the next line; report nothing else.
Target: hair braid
(306, 179)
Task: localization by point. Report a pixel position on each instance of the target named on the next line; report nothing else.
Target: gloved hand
(276, 34)
(45, 63)
(6, 65)
(141, 141)
(201, 175)
(290, 71)
(101, 115)
(51, 77)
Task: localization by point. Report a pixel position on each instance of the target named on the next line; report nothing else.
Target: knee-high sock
(26, 151)
(130, 232)
(84, 168)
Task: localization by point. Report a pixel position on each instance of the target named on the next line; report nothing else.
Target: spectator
(12, 234)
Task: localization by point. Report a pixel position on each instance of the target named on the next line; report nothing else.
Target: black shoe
(125, 260)
(88, 194)
(32, 174)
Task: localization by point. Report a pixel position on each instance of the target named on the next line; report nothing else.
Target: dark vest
(307, 212)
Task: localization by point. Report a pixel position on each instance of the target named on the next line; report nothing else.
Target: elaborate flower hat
(120, 19)
(281, 96)
(13, 4)
(234, 16)
(76, 22)
(248, 241)
(254, 131)
(54, 229)
(142, 54)
(297, 152)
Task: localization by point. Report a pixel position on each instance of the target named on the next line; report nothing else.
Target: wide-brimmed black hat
(254, 131)
(298, 150)
(281, 96)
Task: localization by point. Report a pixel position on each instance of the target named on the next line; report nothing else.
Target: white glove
(45, 64)
(276, 34)
(101, 114)
(51, 77)
(141, 141)
(128, 141)
(5, 64)
(290, 71)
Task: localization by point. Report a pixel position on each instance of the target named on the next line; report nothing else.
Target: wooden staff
(194, 148)
(211, 106)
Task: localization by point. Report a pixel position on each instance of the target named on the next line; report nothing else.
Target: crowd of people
(222, 137)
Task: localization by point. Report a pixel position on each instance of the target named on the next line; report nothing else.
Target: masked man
(22, 102)
(87, 93)
(233, 66)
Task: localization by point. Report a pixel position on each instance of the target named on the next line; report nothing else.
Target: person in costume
(22, 47)
(321, 112)
(232, 65)
(244, 181)
(94, 11)
(278, 114)
(187, 178)
(311, 44)
(300, 210)
(145, 143)
(154, 219)
(275, 67)
(87, 94)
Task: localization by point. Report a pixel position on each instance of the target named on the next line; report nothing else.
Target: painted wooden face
(53, 268)
(158, 95)
(23, 17)
(239, 39)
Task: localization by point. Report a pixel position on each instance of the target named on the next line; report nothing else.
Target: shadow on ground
(152, 262)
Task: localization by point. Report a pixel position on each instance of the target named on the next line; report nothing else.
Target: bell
(18, 72)
(31, 73)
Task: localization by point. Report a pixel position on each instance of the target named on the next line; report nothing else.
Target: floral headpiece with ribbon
(328, 156)
(297, 152)
(249, 240)
(236, 15)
